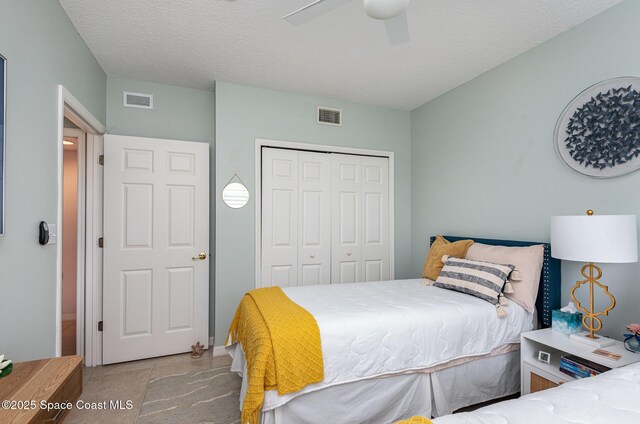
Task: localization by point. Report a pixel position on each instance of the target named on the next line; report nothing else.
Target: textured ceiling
(342, 54)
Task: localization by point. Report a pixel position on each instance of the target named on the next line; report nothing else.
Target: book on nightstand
(577, 367)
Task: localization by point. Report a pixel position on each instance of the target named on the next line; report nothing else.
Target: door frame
(72, 108)
(320, 148)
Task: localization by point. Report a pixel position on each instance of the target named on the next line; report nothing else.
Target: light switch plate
(53, 234)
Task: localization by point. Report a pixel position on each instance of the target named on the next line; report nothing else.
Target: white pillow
(527, 260)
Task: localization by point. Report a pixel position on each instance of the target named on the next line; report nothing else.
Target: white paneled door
(325, 218)
(360, 219)
(280, 217)
(314, 211)
(346, 263)
(376, 241)
(156, 247)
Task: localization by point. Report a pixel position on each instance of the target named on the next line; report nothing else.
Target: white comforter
(612, 397)
(374, 329)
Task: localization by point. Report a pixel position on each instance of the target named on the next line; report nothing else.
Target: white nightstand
(536, 375)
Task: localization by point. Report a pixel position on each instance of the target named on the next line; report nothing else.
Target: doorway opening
(73, 183)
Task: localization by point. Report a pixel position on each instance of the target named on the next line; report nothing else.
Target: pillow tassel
(508, 288)
(503, 300)
(515, 275)
(502, 312)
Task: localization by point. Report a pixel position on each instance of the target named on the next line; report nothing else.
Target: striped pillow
(480, 279)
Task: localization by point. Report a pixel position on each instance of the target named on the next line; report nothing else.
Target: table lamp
(594, 238)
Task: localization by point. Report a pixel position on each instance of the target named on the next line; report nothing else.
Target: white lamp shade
(596, 238)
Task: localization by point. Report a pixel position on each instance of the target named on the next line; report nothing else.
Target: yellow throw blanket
(281, 343)
(415, 420)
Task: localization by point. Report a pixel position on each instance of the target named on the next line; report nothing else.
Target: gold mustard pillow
(440, 247)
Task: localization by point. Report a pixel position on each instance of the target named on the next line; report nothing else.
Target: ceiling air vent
(139, 100)
(328, 116)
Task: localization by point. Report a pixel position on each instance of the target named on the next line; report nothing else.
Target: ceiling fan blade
(397, 29)
(312, 11)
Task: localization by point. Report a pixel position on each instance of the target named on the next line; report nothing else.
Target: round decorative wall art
(598, 133)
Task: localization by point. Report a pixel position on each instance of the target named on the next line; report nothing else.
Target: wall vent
(328, 116)
(139, 100)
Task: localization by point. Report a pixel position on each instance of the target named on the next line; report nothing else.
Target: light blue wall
(477, 161)
(483, 159)
(43, 50)
(178, 113)
(244, 114)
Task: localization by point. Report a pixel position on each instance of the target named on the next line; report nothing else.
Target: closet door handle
(348, 253)
(312, 256)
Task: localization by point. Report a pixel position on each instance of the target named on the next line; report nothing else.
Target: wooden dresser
(52, 381)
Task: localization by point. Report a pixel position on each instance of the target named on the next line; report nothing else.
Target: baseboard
(68, 317)
(219, 351)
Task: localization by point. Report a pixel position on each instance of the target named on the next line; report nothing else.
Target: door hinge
(99, 325)
(100, 242)
(101, 159)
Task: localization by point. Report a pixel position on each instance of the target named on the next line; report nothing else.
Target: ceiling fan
(392, 12)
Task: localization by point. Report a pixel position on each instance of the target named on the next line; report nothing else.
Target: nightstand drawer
(536, 379)
(539, 383)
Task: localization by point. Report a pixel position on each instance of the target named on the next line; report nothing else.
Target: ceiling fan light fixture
(385, 9)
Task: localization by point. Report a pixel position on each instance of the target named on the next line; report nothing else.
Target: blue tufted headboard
(549, 291)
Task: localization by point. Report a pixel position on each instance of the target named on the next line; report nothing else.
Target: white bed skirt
(475, 382)
(387, 399)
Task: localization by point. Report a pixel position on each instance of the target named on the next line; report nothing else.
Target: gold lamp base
(598, 342)
(591, 320)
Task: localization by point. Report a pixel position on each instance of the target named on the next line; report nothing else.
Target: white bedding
(608, 398)
(386, 328)
(388, 399)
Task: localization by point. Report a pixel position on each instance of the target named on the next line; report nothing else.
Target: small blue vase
(632, 342)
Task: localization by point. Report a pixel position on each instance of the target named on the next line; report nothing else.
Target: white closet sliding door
(279, 217)
(376, 243)
(325, 218)
(314, 252)
(360, 219)
(296, 218)
(346, 264)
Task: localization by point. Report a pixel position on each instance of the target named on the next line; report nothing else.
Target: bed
(611, 397)
(380, 359)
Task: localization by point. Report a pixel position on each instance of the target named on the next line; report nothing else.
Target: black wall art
(598, 133)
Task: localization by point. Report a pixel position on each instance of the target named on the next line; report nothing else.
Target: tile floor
(172, 389)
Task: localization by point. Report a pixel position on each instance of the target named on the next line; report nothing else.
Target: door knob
(312, 256)
(348, 253)
(201, 257)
